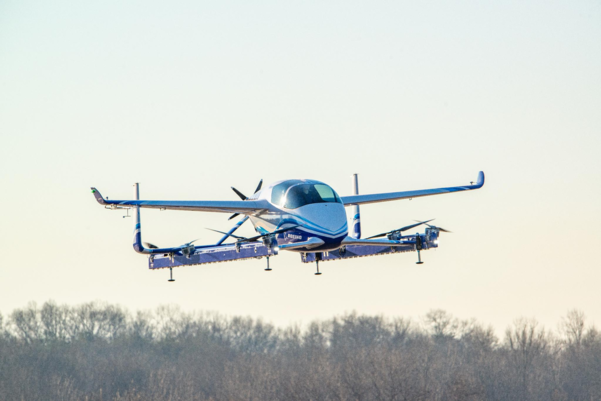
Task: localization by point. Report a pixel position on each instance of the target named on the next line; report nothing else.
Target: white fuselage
(324, 220)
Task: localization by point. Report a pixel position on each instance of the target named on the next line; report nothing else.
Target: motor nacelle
(188, 251)
(432, 234)
(395, 236)
(270, 242)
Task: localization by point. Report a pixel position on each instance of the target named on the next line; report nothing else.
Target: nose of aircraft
(330, 217)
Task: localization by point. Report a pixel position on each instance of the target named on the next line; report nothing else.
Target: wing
(242, 207)
(390, 196)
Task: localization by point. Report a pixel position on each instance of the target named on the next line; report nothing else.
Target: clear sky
(189, 98)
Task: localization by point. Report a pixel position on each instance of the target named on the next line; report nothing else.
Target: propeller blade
(231, 235)
(258, 187)
(419, 223)
(442, 229)
(150, 246)
(439, 229)
(244, 197)
(281, 230)
(240, 194)
(190, 243)
(401, 229)
(379, 235)
(251, 239)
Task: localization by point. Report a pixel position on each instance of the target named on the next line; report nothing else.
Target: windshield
(294, 193)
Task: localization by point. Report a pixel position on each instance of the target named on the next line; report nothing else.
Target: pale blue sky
(190, 98)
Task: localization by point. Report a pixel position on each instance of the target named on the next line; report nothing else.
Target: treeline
(103, 352)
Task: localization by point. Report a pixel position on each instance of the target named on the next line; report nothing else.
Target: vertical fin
(138, 247)
(356, 224)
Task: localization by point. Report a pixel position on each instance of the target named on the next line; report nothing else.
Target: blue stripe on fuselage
(324, 221)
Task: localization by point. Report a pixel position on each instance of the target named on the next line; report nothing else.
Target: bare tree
(526, 343)
(573, 327)
(53, 319)
(101, 352)
(26, 323)
(441, 324)
(96, 320)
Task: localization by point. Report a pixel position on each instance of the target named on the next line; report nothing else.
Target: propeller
(256, 237)
(188, 249)
(153, 246)
(439, 228)
(240, 194)
(400, 230)
(229, 235)
(244, 197)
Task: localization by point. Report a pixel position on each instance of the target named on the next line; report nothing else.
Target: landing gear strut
(171, 279)
(268, 268)
(419, 259)
(317, 259)
(418, 247)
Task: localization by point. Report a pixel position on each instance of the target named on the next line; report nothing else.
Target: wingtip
(98, 196)
(480, 182)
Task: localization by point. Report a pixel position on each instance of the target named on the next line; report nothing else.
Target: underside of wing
(385, 197)
(242, 207)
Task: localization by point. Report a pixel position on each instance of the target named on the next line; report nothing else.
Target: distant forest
(100, 351)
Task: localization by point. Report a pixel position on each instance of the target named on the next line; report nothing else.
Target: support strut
(317, 259)
(268, 268)
(318, 273)
(171, 279)
(418, 248)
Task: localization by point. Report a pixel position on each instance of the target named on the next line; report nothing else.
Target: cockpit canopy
(293, 194)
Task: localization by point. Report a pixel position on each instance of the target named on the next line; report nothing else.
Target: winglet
(98, 197)
(480, 181)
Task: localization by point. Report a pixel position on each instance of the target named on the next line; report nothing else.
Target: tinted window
(278, 192)
(306, 194)
(326, 193)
